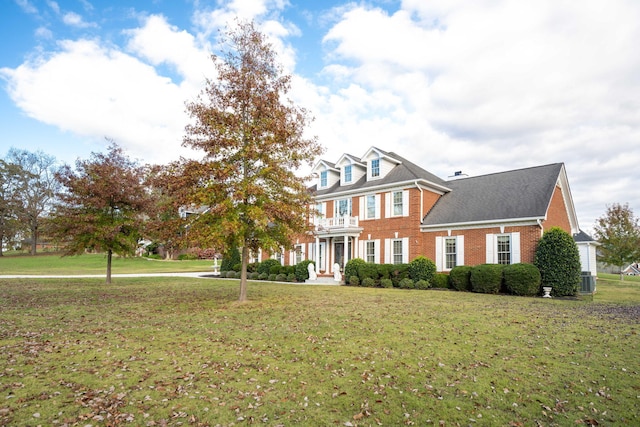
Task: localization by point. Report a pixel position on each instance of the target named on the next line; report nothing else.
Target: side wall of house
(557, 215)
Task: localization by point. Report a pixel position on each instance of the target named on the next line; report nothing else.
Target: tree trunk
(109, 256)
(34, 238)
(243, 274)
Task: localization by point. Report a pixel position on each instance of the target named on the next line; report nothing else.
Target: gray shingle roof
(522, 193)
(581, 236)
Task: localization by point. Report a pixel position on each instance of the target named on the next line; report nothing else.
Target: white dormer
(379, 163)
(351, 169)
(327, 173)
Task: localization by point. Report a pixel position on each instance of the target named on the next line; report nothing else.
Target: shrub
(253, 276)
(384, 270)
(291, 277)
(353, 266)
(272, 277)
(368, 282)
(187, 257)
(237, 274)
(281, 277)
(231, 274)
(406, 283)
(397, 272)
(263, 276)
(368, 271)
(302, 270)
(440, 280)
(522, 279)
(354, 281)
(275, 269)
(486, 278)
(460, 278)
(422, 284)
(386, 283)
(265, 266)
(421, 268)
(230, 258)
(558, 259)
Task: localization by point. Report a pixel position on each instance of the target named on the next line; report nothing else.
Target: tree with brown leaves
(102, 205)
(253, 144)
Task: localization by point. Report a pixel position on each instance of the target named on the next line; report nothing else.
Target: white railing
(339, 222)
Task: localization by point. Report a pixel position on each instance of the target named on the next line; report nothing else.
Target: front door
(339, 254)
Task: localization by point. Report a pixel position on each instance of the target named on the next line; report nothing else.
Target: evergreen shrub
(265, 266)
(302, 270)
(353, 266)
(558, 259)
(230, 258)
(486, 278)
(406, 283)
(422, 284)
(386, 283)
(272, 277)
(281, 277)
(291, 277)
(460, 278)
(263, 276)
(354, 281)
(522, 279)
(421, 268)
(440, 280)
(368, 282)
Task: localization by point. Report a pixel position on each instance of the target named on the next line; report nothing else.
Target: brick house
(385, 209)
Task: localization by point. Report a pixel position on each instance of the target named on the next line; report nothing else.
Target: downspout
(421, 201)
(539, 221)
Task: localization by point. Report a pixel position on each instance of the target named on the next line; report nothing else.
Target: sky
(478, 86)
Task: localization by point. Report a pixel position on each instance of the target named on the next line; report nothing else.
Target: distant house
(632, 270)
(383, 208)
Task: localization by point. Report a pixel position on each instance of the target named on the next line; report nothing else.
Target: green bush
(291, 277)
(263, 276)
(440, 280)
(354, 281)
(368, 271)
(384, 270)
(397, 272)
(486, 278)
(421, 268)
(281, 277)
(353, 266)
(265, 266)
(237, 274)
(422, 284)
(386, 283)
(231, 274)
(253, 276)
(406, 283)
(558, 259)
(230, 258)
(272, 277)
(522, 279)
(460, 278)
(275, 269)
(368, 282)
(302, 270)
(187, 257)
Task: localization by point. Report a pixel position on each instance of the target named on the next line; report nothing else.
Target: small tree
(558, 260)
(253, 142)
(618, 233)
(102, 206)
(12, 185)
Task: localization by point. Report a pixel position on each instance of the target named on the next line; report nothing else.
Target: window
(450, 252)
(343, 207)
(504, 249)
(371, 206)
(397, 203)
(370, 254)
(347, 173)
(375, 168)
(323, 179)
(397, 251)
(299, 254)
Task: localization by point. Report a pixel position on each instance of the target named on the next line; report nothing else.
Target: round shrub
(368, 282)
(386, 283)
(302, 270)
(486, 278)
(272, 277)
(440, 280)
(406, 283)
(460, 278)
(263, 276)
(398, 272)
(275, 269)
(237, 275)
(368, 271)
(352, 268)
(265, 266)
(291, 277)
(422, 284)
(558, 259)
(422, 268)
(253, 276)
(354, 281)
(281, 277)
(522, 279)
(231, 274)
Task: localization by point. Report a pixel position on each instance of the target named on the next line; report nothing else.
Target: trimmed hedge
(421, 268)
(558, 259)
(522, 279)
(486, 278)
(266, 265)
(440, 280)
(352, 268)
(460, 278)
(302, 270)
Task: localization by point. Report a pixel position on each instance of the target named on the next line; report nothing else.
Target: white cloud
(74, 20)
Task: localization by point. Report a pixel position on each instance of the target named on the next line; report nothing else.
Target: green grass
(53, 264)
(172, 351)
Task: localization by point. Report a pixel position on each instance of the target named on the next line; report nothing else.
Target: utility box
(587, 283)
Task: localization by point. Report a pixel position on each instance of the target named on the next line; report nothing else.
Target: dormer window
(347, 173)
(375, 168)
(323, 179)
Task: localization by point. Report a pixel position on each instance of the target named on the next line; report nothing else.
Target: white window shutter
(439, 247)
(515, 248)
(362, 247)
(363, 208)
(387, 251)
(377, 197)
(376, 248)
(387, 205)
(460, 250)
(405, 203)
(405, 250)
(490, 250)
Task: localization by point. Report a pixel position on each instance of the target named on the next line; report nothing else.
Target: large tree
(102, 205)
(12, 186)
(38, 188)
(253, 141)
(618, 233)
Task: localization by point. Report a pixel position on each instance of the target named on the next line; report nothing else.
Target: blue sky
(480, 86)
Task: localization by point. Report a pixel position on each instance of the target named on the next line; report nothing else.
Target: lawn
(174, 351)
(54, 264)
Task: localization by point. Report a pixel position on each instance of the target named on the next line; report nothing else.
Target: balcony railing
(336, 223)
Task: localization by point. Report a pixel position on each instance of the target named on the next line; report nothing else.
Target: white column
(317, 254)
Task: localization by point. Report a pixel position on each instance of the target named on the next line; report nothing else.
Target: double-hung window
(375, 168)
(397, 203)
(371, 206)
(449, 252)
(370, 247)
(323, 178)
(503, 248)
(347, 173)
(343, 207)
(397, 251)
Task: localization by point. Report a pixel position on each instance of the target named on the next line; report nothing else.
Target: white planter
(547, 291)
